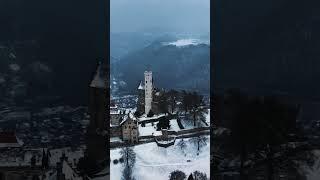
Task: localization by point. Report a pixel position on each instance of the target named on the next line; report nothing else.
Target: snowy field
(156, 163)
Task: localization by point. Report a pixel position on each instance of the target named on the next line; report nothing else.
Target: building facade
(130, 131)
(148, 88)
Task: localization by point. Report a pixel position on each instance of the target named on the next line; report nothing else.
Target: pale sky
(178, 15)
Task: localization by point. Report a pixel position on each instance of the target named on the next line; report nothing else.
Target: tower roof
(100, 78)
(128, 117)
(141, 87)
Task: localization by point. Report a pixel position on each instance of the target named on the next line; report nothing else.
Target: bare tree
(199, 141)
(127, 173)
(172, 98)
(198, 108)
(182, 144)
(128, 155)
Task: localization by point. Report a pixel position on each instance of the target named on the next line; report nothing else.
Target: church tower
(148, 88)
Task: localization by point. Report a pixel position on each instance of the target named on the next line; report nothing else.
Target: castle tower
(148, 88)
(98, 109)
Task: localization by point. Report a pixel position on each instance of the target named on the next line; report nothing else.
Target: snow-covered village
(164, 135)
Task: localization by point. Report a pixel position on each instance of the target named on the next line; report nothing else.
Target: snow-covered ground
(208, 117)
(313, 173)
(145, 118)
(148, 130)
(115, 139)
(156, 163)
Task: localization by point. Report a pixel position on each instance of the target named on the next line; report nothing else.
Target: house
(116, 114)
(129, 127)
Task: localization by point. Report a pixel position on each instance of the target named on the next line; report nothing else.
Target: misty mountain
(174, 66)
(270, 46)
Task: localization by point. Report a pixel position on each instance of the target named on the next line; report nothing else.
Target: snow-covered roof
(115, 112)
(141, 87)
(100, 78)
(128, 117)
(145, 118)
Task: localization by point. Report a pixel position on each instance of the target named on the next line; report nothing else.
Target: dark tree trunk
(198, 145)
(242, 161)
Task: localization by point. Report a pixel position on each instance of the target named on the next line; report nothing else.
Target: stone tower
(148, 89)
(98, 107)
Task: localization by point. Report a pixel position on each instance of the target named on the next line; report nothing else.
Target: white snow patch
(184, 42)
(148, 130)
(153, 162)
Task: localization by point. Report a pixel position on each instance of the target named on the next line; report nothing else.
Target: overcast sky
(191, 16)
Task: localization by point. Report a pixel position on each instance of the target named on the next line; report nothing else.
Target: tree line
(190, 104)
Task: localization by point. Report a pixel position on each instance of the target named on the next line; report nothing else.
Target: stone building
(148, 91)
(130, 131)
(116, 114)
(116, 117)
(148, 95)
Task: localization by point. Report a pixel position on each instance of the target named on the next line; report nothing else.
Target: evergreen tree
(137, 114)
(164, 123)
(150, 114)
(190, 177)
(163, 103)
(177, 175)
(199, 175)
